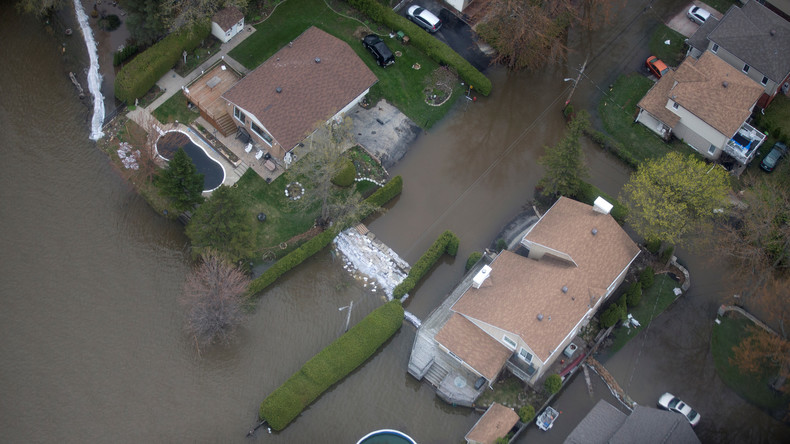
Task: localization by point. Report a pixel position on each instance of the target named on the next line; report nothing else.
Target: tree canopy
(566, 169)
(670, 197)
(145, 20)
(223, 223)
(39, 7)
(181, 182)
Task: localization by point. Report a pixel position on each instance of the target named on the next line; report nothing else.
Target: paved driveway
(454, 32)
(680, 23)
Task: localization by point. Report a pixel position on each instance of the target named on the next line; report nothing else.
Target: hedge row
(314, 245)
(446, 243)
(139, 75)
(331, 365)
(123, 55)
(435, 49)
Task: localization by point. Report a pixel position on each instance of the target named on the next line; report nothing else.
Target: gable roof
(758, 36)
(714, 91)
(647, 425)
(227, 17)
(495, 423)
(311, 91)
(473, 345)
(655, 101)
(518, 289)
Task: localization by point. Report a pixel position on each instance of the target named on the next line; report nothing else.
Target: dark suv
(381, 53)
(777, 152)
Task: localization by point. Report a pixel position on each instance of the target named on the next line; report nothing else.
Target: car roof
(426, 14)
(700, 12)
(655, 61)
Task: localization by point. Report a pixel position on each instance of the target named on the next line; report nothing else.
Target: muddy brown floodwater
(93, 349)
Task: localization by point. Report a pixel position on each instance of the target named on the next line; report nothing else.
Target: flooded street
(90, 277)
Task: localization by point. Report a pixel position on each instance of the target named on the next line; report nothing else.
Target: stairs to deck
(226, 125)
(436, 374)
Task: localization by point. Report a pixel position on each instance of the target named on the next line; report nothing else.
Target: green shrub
(473, 258)
(553, 383)
(330, 365)
(653, 245)
(502, 440)
(123, 55)
(610, 316)
(110, 23)
(500, 245)
(139, 75)
(432, 47)
(316, 244)
(666, 254)
(345, 177)
(588, 193)
(447, 242)
(567, 111)
(634, 295)
(526, 413)
(647, 277)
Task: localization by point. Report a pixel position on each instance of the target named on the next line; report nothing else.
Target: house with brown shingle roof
(706, 103)
(520, 311)
(226, 23)
(752, 39)
(315, 78)
(495, 423)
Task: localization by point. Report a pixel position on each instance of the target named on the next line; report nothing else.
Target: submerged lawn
(400, 84)
(655, 300)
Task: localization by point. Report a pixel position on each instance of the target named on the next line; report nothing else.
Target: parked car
(698, 15)
(379, 49)
(769, 162)
(670, 402)
(656, 66)
(424, 18)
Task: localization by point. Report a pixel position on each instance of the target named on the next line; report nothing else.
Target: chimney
(602, 206)
(481, 276)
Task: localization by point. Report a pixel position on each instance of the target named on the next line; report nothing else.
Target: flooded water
(90, 277)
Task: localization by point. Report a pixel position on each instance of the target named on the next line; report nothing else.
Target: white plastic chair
(259, 154)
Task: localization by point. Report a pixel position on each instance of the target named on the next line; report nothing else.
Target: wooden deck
(205, 91)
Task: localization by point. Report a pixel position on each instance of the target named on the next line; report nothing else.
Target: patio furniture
(248, 148)
(259, 154)
(271, 166)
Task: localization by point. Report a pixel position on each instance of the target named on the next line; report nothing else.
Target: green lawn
(399, 83)
(618, 111)
(175, 108)
(753, 388)
(671, 54)
(654, 301)
(199, 55)
(721, 5)
(776, 123)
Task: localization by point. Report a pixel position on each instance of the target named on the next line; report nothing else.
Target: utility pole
(348, 318)
(575, 83)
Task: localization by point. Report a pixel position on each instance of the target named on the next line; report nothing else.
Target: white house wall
(695, 132)
(351, 104)
(217, 32)
(458, 5)
(648, 120)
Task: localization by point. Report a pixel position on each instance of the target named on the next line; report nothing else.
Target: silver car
(670, 402)
(698, 15)
(424, 18)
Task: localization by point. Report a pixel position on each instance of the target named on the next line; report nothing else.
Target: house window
(746, 67)
(764, 81)
(675, 105)
(714, 48)
(239, 115)
(261, 133)
(511, 343)
(525, 355)
(712, 149)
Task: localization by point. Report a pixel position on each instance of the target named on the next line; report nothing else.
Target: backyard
(175, 109)
(400, 84)
(671, 54)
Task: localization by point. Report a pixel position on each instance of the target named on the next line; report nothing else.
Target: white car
(424, 18)
(698, 15)
(670, 402)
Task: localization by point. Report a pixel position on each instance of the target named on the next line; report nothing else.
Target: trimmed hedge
(123, 55)
(435, 49)
(473, 258)
(553, 383)
(345, 177)
(526, 413)
(314, 245)
(647, 277)
(331, 365)
(139, 75)
(447, 242)
(634, 295)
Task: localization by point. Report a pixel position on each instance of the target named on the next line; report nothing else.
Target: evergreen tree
(223, 223)
(181, 182)
(145, 20)
(564, 163)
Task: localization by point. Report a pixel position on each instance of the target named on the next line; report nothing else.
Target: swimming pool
(212, 171)
(386, 436)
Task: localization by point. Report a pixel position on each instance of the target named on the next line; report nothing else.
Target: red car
(656, 66)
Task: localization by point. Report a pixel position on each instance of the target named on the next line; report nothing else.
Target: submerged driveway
(454, 32)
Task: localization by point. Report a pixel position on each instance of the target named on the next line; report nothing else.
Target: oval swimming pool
(212, 171)
(386, 436)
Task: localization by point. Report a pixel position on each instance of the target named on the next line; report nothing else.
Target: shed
(226, 23)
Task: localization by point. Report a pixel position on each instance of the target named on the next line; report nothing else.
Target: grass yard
(175, 108)
(753, 388)
(721, 5)
(776, 124)
(618, 110)
(671, 54)
(199, 55)
(655, 300)
(399, 83)
(511, 392)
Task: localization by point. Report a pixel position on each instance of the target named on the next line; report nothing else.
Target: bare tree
(213, 298)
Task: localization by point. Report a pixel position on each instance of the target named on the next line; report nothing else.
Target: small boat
(546, 419)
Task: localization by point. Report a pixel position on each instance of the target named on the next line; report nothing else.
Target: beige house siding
(695, 132)
(537, 251)
(770, 87)
(653, 124)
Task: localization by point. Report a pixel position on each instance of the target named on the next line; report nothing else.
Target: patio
(206, 91)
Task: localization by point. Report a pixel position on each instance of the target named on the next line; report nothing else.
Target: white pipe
(94, 78)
